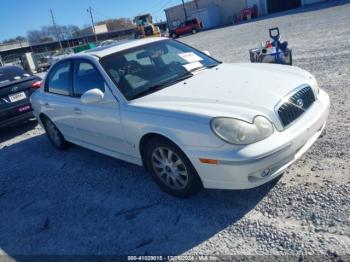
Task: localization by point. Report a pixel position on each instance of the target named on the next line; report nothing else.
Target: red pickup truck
(189, 26)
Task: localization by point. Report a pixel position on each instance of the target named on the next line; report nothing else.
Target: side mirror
(92, 96)
(206, 52)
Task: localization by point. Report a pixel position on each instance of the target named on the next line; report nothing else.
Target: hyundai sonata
(189, 119)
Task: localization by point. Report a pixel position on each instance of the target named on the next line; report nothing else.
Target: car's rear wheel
(171, 169)
(54, 135)
(173, 35)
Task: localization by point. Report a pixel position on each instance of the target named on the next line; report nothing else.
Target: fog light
(265, 173)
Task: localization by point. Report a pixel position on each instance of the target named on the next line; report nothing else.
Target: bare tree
(49, 34)
(16, 39)
(117, 24)
(38, 37)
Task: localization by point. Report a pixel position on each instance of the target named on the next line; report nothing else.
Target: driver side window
(86, 77)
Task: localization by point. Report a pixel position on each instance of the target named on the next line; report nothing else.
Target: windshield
(148, 68)
(12, 73)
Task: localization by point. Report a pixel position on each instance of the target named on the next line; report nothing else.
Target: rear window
(9, 74)
(191, 22)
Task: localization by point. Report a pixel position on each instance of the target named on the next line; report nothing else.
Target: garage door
(279, 5)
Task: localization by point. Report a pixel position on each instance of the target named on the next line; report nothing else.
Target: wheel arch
(148, 137)
(42, 116)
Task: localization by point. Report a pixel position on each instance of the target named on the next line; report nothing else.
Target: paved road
(81, 202)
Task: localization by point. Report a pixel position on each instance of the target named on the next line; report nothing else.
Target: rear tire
(171, 169)
(173, 35)
(54, 135)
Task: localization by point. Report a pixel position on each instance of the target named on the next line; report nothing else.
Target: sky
(19, 16)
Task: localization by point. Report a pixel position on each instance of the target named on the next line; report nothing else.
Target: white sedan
(189, 119)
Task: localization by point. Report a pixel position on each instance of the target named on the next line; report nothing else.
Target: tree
(17, 39)
(117, 24)
(50, 33)
(38, 37)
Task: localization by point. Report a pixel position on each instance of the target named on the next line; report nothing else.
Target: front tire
(173, 35)
(194, 31)
(171, 169)
(54, 135)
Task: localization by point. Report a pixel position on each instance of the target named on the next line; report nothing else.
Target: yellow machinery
(145, 26)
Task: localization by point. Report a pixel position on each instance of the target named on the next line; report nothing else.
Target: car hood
(231, 90)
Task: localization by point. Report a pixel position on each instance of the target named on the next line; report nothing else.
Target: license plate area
(17, 97)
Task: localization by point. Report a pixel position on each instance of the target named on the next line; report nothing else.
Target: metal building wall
(227, 9)
(263, 4)
(308, 2)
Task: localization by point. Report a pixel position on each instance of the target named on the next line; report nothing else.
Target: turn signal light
(209, 161)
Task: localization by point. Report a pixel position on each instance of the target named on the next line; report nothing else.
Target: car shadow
(15, 130)
(78, 202)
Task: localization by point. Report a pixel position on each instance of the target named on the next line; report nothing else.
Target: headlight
(239, 132)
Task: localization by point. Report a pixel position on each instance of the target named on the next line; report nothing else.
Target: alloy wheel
(170, 168)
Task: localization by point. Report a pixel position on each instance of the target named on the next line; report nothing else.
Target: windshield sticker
(190, 57)
(193, 66)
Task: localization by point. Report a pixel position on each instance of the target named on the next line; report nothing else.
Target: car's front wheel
(171, 169)
(194, 31)
(55, 136)
(173, 35)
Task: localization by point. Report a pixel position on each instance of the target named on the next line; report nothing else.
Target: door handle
(77, 111)
(46, 104)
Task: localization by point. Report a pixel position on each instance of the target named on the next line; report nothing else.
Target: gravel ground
(81, 202)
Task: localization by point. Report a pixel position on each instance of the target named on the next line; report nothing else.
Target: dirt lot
(81, 202)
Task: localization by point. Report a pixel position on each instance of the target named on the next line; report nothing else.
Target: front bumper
(242, 167)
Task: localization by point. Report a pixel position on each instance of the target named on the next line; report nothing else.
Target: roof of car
(120, 46)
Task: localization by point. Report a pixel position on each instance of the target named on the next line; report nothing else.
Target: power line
(99, 13)
(163, 6)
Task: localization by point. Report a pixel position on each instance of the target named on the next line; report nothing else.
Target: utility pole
(89, 10)
(183, 5)
(56, 29)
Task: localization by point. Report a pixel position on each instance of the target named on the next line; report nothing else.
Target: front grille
(296, 105)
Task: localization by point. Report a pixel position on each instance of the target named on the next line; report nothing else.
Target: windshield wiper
(160, 86)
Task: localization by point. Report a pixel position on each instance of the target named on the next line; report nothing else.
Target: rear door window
(60, 80)
(86, 77)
